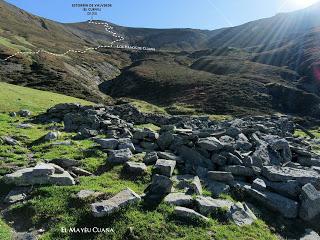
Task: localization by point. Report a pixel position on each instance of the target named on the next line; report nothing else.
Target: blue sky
(203, 14)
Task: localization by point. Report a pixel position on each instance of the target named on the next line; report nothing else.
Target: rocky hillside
(100, 166)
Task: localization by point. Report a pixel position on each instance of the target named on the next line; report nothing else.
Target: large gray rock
(208, 205)
(10, 141)
(135, 168)
(109, 143)
(241, 214)
(50, 136)
(41, 174)
(188, 183)
(240, 170)
(165, 167)
(179, 199)
(226, 177)
(287, 207)
(17, 195)
(291, 188)
(160, 185)
(126, 143)
(119, 156)
(150, 158)
(65, 162)
(310, 202)
(210, 144)
(217, 188)
(281, 147)
(283, 174)
(310, 235)
(188, 214)
(243, 143)
(165, 140)
(114, 204)
(169, 156)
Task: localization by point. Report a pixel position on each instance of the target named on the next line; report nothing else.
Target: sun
(303, 3)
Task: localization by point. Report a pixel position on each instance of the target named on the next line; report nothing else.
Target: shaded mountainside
(240, 70)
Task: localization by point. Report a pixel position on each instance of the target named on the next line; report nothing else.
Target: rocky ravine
(255, 157)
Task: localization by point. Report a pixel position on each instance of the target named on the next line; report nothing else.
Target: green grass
(147, 107)
(15, 98)
(9, 44)
(5, 231)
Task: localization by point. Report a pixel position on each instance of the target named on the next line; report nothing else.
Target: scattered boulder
(310, 235)
(208, 205)
(210, 144)
(41, 174)
(135, 168)
(240, 170)
(165, 140)
(310, 202)
(225, 177)
(51, 136)
(114, 204)
(17, 195)
(287, 207)
(10, 141)
(188, 214)
(283, 174)
(109, 143)
(24, 113)
(150, 158)
(241, 214)
(179, 199)
(65, 162)
(119, 156)
(259, 184)
(165, 167)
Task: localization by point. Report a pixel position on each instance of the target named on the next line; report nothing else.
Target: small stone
(80, 172)
(310, 235)
(24, 113)
(10, 141)
(85, 194)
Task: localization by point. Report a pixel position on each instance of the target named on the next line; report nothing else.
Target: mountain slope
(239, 70)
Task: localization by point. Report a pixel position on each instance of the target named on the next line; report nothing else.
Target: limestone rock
(119, 156)
(188, 214)
(310, 202)
(112, 205)
(179, 199)
(241, 214)
(135, 168)
(165, 167)
(225, 177)
(208, 205)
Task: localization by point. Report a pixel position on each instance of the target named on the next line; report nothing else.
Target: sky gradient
(200, 14)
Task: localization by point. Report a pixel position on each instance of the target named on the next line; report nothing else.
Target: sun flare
(303, 3)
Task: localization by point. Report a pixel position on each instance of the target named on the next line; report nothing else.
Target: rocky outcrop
(122, 199)
(41, 174)
(260, 155)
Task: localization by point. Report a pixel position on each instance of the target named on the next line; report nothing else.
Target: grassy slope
(14, 98)
(52, 207)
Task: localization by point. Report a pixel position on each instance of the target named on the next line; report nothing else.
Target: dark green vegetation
(269, 65)
(52, 207)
